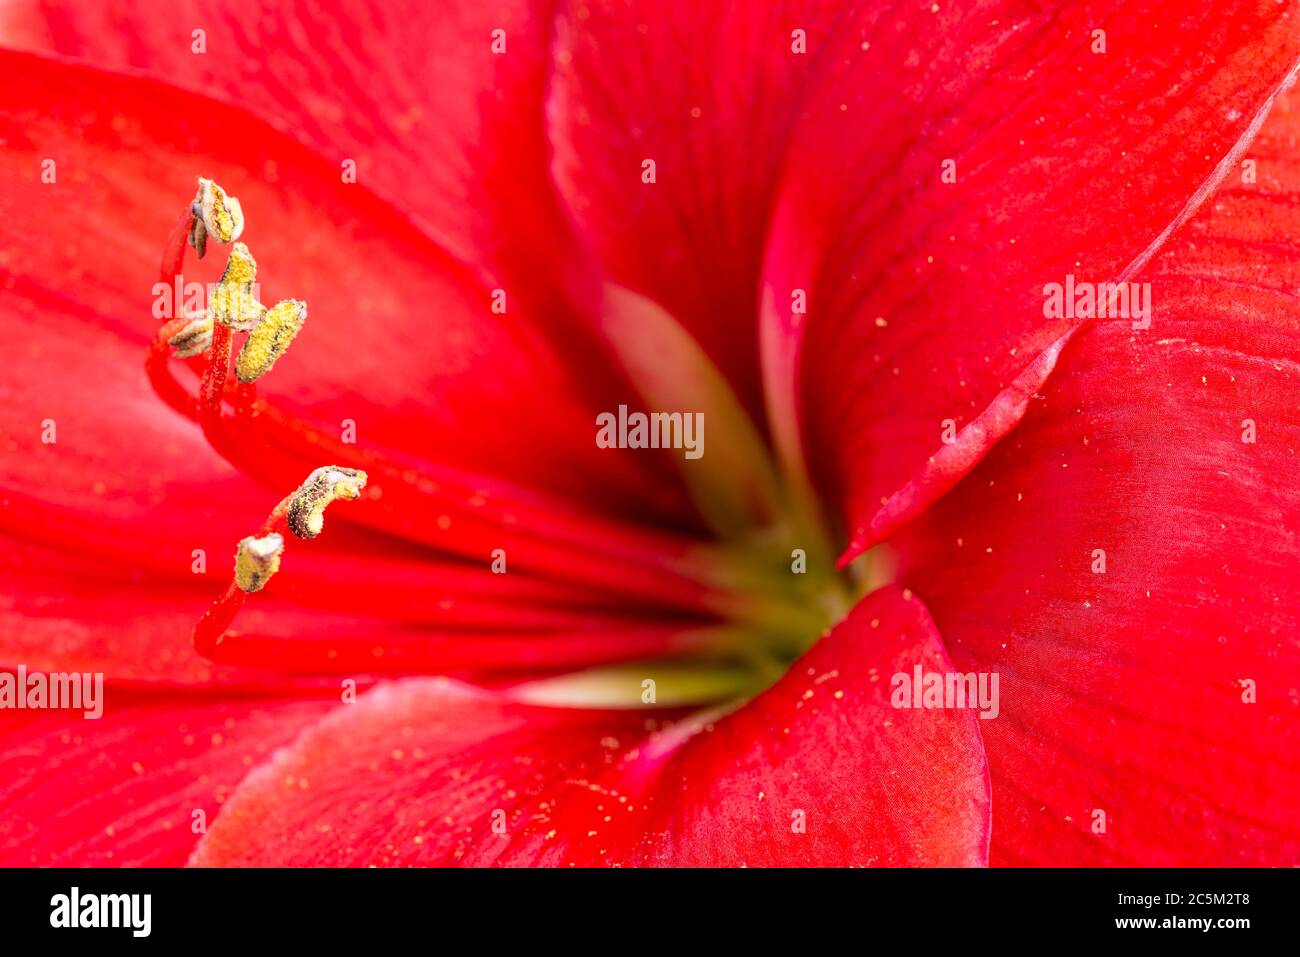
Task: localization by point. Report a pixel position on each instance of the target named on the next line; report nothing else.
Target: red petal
(439, 124)
(879, 785)
(419, 771)
(1123, 692)
(925, 298)
(123, 790)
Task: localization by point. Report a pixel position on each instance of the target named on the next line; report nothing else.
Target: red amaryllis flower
(861, 243)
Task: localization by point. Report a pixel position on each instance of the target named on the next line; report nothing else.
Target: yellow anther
(306, 512)
(270, 339)
(216, 214)
(233, 302)
(256, 560)
(195, 338)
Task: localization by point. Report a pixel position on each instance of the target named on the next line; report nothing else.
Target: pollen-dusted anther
(216, 214)
(256, 560)
(233, 302)
(270, 339)
(306, 512)
(195, 338)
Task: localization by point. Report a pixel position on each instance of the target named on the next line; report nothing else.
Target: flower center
(774, 554)
(762, 593)
(787, 594)
(798, 597)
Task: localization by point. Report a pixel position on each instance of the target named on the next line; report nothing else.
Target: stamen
(256, 560)
(195, 337)
(263, 441)
(258, 556)
(270, 339)
(306, 510)
(216, 213)
(233, 303)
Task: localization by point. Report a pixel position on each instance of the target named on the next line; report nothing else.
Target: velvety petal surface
(955, 159)
(136, 786)
(818, 769)
(436, 120)
(1127, 560)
